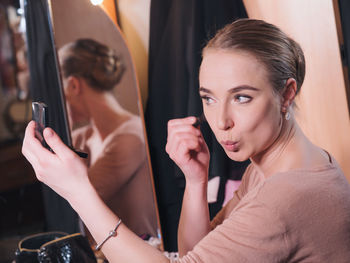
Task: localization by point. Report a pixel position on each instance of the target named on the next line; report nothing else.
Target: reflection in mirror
(104, 111)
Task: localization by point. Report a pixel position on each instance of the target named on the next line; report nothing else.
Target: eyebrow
(232, 90)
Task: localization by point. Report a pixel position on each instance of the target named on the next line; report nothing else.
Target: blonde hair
(281, 55)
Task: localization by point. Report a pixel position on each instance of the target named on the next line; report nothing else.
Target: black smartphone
(40, 116)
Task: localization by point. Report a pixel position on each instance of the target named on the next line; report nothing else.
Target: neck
(105, 113)
(287, 152)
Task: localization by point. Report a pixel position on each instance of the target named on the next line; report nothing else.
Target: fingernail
(49, 132)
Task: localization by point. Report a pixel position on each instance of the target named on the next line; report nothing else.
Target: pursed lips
(230, 145)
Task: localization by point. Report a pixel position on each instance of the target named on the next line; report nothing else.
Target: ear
(289, 94)
(74, 86)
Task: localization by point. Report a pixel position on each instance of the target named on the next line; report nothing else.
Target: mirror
(108, 125)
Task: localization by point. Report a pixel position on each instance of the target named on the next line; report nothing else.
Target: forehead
(227, 69)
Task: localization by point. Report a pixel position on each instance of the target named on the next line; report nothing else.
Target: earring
(287, 115)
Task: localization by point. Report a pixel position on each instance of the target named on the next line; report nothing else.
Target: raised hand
(63, 171)
(187, 148)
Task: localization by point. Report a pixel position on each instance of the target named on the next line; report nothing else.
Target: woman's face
(239, 103)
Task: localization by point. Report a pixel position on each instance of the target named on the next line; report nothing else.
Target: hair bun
(94, 61)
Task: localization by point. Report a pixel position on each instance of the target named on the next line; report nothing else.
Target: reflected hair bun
(98, 64)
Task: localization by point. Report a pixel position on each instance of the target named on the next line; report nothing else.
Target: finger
(192, 145)
(32, 148)
(176, 138)
(185, 150)
(26, 145)
(181, 127)
(188, 120)
(30, 131)
(184, 129)
(184, 140)
(56, 144)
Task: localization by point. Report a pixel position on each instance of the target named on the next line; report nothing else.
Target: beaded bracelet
(112, 233)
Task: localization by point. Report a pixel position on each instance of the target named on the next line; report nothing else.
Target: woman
(249, 77)
(112, 136)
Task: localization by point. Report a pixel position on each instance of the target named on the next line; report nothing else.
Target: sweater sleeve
(249, 181)
(252, 233)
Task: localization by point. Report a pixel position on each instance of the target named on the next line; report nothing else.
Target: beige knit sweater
(296, 216)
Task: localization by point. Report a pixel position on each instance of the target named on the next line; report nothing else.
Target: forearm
(194, 220)
(66, 174)
(187, 148)
(100, 220)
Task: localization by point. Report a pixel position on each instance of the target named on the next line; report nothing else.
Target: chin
(237, 156)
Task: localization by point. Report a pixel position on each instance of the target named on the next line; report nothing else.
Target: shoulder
(305, 181)
(81, 135)
(125, 145)
(130, 128)
(85, 131)
(132, 125)
(306, 192)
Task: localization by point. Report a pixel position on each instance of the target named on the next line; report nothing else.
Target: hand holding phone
(40, 116)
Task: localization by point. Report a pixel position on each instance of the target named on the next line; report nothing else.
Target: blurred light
(20, 11)
(96, 2)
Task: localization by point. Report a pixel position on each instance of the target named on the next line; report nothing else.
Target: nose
(224, 119)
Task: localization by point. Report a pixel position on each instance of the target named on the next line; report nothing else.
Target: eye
(242, 98)
(207, 100)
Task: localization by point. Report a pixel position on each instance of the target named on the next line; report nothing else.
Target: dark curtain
(45, 86)
(344, 11)
(178, 31)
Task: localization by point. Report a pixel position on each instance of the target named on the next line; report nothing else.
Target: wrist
(197, 179)
(196, 189)
(196, 184)
(81, 196)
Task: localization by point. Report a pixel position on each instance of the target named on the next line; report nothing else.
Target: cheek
(256, 125)
(69, 110)
(210, 117)
(73, 101)
(263, 125)
(67, 96)
(71, 107)
(69, 104)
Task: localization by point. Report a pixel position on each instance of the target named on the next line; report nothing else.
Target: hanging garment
(178, 31)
